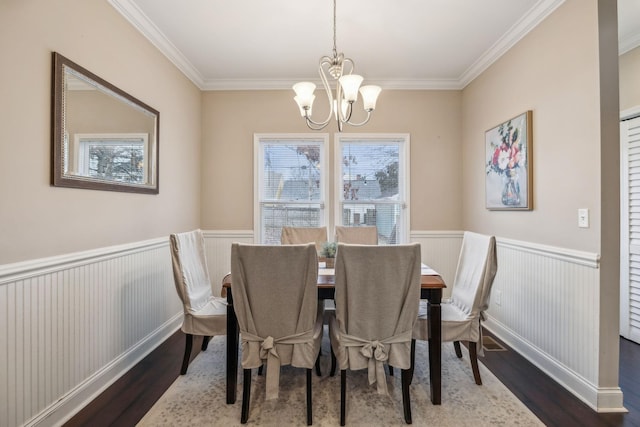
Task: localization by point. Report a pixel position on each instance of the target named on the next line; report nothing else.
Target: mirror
(103, 138)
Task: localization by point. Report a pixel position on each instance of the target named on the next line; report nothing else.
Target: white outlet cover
(583, 218)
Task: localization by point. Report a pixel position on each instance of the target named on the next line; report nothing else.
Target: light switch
(583, 218)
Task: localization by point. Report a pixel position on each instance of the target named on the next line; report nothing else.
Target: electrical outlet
(497, 297)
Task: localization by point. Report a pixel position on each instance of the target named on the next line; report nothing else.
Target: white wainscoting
(440, 250)
(549, 312)
(218, 247)
(71, 325)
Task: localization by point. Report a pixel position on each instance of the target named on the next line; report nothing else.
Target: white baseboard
(600, 399)
(85, 392)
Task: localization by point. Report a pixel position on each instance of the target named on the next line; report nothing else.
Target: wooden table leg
(435, 345)
(232, 350)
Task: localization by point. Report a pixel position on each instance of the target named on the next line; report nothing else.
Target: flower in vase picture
(507, 164)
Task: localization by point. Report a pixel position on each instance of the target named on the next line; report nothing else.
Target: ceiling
(401, 44)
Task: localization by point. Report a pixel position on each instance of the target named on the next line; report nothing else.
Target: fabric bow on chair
(377, 353)
(276, 302)
(269, 353)
(373, 325)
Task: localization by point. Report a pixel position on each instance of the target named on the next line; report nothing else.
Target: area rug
(198, 398)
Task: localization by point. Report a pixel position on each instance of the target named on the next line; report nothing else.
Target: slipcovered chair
(367, 235)
(300, 235)
(377, 293)
(276, 302)
(463, 313)
(204, 313)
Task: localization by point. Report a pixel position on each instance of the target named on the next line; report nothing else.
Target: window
(111, 157)
(290, 183)
(372, 184)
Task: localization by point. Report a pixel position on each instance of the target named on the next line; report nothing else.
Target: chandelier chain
(335, 48)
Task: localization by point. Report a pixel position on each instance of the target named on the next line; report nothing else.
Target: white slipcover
(462, 314)
(204, 313)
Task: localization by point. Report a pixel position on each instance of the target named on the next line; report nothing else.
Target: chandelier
(340, 69)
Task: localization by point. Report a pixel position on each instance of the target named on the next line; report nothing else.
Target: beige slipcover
(377, 292)
(300, 235)
(366, 235)
(204, 313)
(462, 314)
(275, 299)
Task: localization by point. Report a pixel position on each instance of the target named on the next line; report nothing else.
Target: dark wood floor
(552, 403)
(128, 399)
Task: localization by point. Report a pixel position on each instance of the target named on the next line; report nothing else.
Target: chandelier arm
(312, 124)
(315, 126)
(364, 122)
(350, 61)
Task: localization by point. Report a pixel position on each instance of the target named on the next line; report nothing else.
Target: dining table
(431, 289)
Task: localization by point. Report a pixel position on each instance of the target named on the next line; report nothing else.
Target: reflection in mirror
(103, 138)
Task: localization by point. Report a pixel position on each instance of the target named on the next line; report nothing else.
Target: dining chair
(365, 235)
(300, 235)
(275, 299)
(462, 314)
(204, 314)
(377, 293)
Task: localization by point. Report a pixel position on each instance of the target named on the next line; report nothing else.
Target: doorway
(630, 225)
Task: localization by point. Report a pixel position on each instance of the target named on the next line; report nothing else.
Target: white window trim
(83, 141)
(404, 185)
(258, 167)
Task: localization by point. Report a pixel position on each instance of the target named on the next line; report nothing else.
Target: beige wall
(38, 220)
(432, 118)
(554, 73)
(630, 79)
(569, 79)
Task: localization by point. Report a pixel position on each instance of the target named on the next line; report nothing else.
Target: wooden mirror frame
(59, 176)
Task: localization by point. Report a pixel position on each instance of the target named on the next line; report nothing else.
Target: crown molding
(628, 44)
(521, 28)
(286, 84)
(142, 23)
(130, 11)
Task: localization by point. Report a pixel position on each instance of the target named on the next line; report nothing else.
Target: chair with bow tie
(204, 313)
(377, 293)
(275, 298)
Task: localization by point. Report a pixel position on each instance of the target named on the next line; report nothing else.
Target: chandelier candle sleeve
(350, 85)
(370, 96)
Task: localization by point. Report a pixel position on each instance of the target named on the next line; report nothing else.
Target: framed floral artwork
(508, 182)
